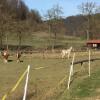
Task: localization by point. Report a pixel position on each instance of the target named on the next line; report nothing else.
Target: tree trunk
(7, 41)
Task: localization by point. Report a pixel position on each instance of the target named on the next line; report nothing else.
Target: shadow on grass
(13, 60)
(10, 60)
(21, 61)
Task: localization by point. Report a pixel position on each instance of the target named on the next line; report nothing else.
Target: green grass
(41, 80)
(45, 82)
(87, 87)
(42, 40)
(84, 87)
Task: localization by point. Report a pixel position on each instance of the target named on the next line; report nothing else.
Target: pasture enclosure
(50, 83)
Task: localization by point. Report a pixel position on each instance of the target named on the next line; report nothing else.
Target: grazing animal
(18, 55)
(66, 52)
(5, 55)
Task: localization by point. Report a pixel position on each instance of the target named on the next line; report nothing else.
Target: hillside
(17, 21)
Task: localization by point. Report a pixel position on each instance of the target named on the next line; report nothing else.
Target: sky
(69, 7)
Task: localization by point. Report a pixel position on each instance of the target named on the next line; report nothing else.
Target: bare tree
(53, 16)
(87, 10)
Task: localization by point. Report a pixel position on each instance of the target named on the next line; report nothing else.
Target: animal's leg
(18, 60)
(5, 60)
(68, 54)
(62, 55)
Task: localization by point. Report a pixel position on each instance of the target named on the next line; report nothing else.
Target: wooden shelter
(93, 44)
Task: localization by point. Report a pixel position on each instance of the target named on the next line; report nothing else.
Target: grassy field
(40, 80)
(42, 40)
(50, 83)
